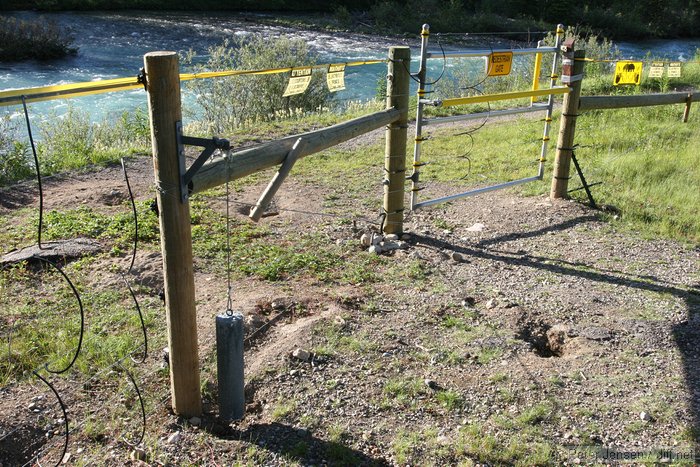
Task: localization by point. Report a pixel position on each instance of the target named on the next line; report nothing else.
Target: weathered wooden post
(163, 85)
(398, 79)
(572, 74)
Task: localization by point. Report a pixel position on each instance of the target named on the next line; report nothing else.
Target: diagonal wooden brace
(257, 211)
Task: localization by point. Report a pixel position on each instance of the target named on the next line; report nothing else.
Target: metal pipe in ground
(229, 359)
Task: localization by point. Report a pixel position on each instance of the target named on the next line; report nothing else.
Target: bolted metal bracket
(210, 145)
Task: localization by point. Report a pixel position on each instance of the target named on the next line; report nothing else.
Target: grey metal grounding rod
(534, 107)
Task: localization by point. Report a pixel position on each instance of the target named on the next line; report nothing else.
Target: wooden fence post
(163, 84)
(398, 79)
(572, 73)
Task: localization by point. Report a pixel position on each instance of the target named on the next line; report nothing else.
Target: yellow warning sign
(499, 63)
(298, 82)
(656, 70)
(674, 70)
(627, 72)
(335, 78)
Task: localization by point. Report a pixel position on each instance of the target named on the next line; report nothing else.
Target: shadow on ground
(686, 333)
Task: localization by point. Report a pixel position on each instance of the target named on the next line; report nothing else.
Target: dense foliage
(235, 101)
(20, 40)
(616, 18)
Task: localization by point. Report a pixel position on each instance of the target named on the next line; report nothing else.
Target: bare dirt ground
(524, 341)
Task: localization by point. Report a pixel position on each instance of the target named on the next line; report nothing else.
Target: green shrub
(72, 141)
(14, 154)
(40, 39)
(236, 101)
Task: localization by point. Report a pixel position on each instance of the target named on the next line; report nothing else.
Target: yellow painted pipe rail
(64, 91)
(501, 97)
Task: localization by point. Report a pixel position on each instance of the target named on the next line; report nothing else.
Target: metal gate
(491, 55)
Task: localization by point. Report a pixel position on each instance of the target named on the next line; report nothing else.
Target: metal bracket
(210, 145)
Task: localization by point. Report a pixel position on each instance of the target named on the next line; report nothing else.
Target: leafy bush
(72, 141)
(14, 155)
(43, 40)
(231, 102)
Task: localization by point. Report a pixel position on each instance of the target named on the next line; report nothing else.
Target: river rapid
(112, 45)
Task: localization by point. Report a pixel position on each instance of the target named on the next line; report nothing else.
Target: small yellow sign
(335, 78)
(674, 70)
(298, 82)
(499, 64)
(656, 70)
(627, 72)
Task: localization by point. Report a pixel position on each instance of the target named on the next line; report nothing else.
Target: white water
(112, 45)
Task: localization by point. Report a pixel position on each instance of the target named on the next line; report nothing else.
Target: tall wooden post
(572, 74)
(398, 79)
(163, 84)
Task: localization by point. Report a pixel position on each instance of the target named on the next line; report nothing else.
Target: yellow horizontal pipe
(504, 96)
(64, 91)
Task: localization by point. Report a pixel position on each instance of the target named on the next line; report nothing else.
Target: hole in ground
(543, 343)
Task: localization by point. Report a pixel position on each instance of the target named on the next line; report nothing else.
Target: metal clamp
(210, 145)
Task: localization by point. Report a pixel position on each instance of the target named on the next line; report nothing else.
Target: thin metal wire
(38, 172)
(229, 300)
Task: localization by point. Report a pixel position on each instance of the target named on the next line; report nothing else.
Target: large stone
(56, 250)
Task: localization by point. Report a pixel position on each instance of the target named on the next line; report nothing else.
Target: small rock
(376, 249)
(366, 239)
(457, 257)
(596, 333)
(66, 458)
(195, 421)
(175, 438)
(447, 232)
(491, 303)
(301, 354)
(468, 302)
(293, 372)
(166, 355)
(432, 384)
(339, 321)
(391, 238)
(478, 227)
(137, 454)
(32, 406)
(644, 416)
(389, 246)
(406, 237)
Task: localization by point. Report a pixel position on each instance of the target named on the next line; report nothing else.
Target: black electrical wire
(38, 171)
(136, 219)
(143, 323)
(82, 315)
(65, 418)
(143, 408)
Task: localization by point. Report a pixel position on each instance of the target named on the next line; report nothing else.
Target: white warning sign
(298, 81)
(656, 70)
(335, 78)
(674, 70)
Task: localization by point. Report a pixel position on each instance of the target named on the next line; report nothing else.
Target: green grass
(45, 326)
